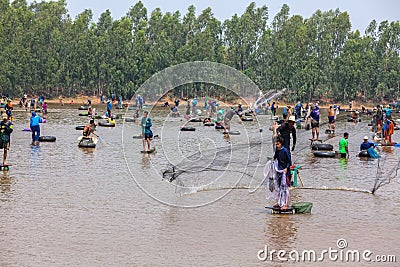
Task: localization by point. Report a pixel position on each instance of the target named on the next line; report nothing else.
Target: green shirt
(343, 143)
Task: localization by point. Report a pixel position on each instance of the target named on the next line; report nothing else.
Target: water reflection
(34, 160)
(87, 150)
(227, 138)
(5, 183)
(388, 149)
(343, 162)
(146, 160)
(83, 184)
(280, 231)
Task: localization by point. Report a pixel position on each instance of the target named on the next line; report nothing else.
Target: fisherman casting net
(232, 166)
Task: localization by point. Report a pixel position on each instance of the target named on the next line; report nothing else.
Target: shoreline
(82, 100)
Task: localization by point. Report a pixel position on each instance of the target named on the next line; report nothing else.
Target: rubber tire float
(326, 147)
(106, 124)
(45, 138)
(233, 133)
(324, 154)
(188, 129)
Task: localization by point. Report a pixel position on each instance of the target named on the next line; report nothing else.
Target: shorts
(5, 145)
(331, 119)
(343, 155)
(314, 124)
(148, 135)
(226, 121)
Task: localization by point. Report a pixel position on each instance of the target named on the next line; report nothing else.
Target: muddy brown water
(109, 206)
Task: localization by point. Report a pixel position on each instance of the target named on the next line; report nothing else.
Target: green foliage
(45, 51)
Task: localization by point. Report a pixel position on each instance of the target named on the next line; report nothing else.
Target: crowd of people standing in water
(37, 104)
(284, 133)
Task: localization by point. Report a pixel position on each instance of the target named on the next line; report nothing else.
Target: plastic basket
(302, 207)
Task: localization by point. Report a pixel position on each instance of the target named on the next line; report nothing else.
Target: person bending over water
(89, 129)
(227, 119)
(35, 127)
(366, 144)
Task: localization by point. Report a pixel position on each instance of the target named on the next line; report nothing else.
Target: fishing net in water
(385, 175)
(229, 167)
(277, 188)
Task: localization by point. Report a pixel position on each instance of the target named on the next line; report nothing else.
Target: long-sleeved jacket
(35, 120)
(284, 130)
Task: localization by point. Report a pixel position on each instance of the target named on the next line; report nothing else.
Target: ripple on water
(62, 205)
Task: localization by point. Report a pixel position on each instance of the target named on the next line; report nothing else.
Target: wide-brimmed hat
(4, 116)
(365, 137)
(292, 118)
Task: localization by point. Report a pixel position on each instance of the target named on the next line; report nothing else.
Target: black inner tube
(185, 128)
(106, 124)
(247, 119)
(328, 147)
(86, 143)
(233, 133)
(324, 154)
(45, 138)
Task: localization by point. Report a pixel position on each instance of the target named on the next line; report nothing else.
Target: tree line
(45, 51)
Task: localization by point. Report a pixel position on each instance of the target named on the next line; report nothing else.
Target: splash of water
(267, 97)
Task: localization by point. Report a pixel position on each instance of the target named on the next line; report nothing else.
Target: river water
(109, 206)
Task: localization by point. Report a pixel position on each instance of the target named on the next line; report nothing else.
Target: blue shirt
(366, 146)
(315, 114)
(109, 106)
(386, 125)
(35, 120)
(284, 159)
(146, 124)
(194, 102)
(388, 111)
